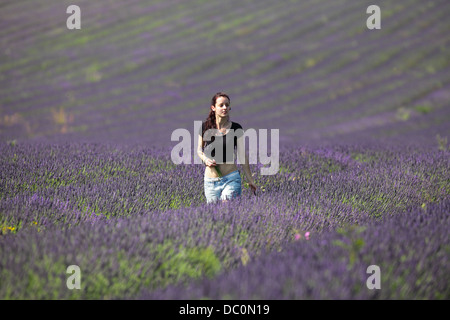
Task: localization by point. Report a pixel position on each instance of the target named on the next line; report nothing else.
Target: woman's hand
(210, 162)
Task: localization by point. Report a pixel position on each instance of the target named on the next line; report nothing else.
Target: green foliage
(361, 157)
(423, 109)
(442, 142)
(187, 263)
(352, 242)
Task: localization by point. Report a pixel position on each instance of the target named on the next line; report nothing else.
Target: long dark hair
(210, 122)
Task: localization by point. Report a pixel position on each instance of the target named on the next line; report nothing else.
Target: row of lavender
(134, 221)
(310, 67)
(79, 181)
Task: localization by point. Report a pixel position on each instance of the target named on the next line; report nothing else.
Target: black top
(222, 140)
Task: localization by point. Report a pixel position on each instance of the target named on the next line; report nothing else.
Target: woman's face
(222, 107)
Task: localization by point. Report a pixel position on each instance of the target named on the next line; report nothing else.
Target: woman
(222, 178)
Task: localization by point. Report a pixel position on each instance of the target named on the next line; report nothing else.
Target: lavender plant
(411, 250)
(113, 213)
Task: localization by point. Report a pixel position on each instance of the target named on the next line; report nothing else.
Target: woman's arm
(199, 149)
(208, 162)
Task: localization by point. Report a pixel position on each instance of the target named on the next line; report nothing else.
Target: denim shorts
(224, 188)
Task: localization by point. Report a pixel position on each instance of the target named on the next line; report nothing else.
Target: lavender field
(87, 179)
